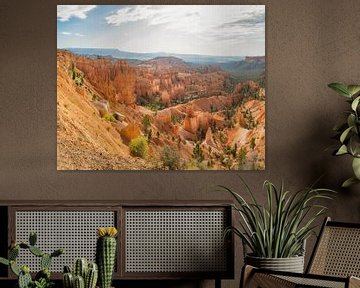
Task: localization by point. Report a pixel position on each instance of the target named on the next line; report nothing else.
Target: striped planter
(291, 264)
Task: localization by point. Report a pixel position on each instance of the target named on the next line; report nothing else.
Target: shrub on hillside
(139, 147)
(170, 158)
(110, 117)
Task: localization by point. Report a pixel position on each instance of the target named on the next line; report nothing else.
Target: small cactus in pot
(85, 275)
(106, 254)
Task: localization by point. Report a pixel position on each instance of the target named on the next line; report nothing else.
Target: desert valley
(159, 113)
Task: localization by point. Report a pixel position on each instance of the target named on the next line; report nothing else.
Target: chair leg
(246, 273)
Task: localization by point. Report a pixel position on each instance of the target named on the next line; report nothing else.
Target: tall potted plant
(276, 233)
(348, 132)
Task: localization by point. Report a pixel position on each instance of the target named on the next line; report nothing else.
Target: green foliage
(43, 283)
(76, 75)
(348, 132)
(198, 154)
(110, 117)
(252, 143)
(170, 158)
(251, 123)
(279, 229)
(139, 147)
(42, 278)
(153, 103)
(175, 119)
(241, 157)
(146, 122)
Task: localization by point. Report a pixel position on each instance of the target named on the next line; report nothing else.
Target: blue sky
(221, 30)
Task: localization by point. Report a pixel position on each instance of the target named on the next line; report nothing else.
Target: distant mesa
(255, 59)
(119, 54)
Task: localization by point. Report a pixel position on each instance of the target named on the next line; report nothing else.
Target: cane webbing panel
(313, 282)
(338, 252)
(75, 231)
(175, 241)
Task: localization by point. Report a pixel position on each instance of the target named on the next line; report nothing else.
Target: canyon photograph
(161, 87)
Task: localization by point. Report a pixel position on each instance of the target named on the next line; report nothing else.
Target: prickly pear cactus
(45, 261)
(32, 238)
(24, 280)
(106, 254)
(36, 251)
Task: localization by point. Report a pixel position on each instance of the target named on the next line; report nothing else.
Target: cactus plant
(80, 268)
(105, 254)
(79, 282)
(24, 280)
(84, 274)
(42, 278)
(91, 276)
(68, 280)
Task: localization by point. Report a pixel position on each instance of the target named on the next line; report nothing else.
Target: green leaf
(342, 150)
(345, 134)
(32, 238)
(356, 167)
(14, 268)
(355, 103)
(353, 89)
(354, 145)
(351, 120)
(349, 182)
(4, 261)
(340, 88)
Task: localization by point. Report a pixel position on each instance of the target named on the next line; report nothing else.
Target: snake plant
(279, 228)
(348, 132)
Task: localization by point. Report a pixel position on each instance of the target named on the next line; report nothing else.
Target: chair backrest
(337, 251)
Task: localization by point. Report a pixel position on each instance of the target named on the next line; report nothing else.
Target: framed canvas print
(161, 87)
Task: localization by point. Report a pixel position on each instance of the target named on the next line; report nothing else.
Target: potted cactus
(42, 278)
(84, 275)
(106, 254)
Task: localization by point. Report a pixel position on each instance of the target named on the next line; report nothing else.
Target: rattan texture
(299, 281)
(175, 241)
(260, 280)
(75, 231)
(338, 252)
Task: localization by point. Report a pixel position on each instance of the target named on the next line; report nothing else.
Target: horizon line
(193, 54)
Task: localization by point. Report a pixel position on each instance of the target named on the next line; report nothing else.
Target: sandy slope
(85, 141)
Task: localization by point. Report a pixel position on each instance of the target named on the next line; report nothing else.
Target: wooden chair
(335, 262)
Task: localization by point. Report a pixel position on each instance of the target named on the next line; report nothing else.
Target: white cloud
(72, 34)
(217, 22)
(65, 12)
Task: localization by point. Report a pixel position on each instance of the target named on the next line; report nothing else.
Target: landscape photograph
(161, 87)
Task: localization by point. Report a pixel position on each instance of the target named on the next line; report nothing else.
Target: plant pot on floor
(290, 264)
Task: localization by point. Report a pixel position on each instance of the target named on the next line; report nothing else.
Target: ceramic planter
(291, 264)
